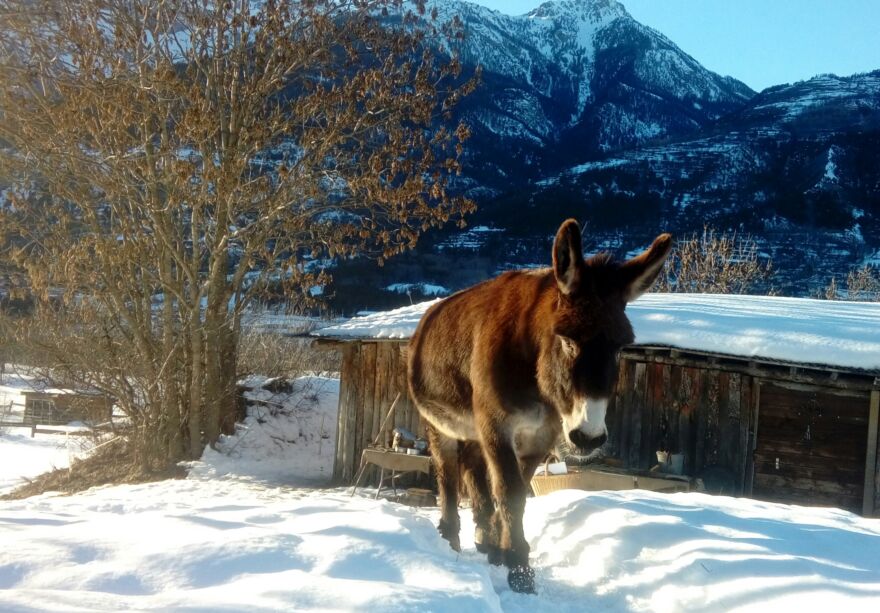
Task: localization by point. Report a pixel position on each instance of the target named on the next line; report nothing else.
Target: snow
(236, 545)
(425, 289)
(18, 379)
(285, 438)
(800, 330)
(234, 537)
(830, 167)
(397, 323)
(23, 457)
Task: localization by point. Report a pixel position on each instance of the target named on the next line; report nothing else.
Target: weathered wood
(703, 417)
(347, 368)
(754, 423)
(353, 407)
(637, 402)
(846, 379)
(724, 414)
(406, 406)
(728, 447)
(364, 418)
(368, 387)
(690, 394)
(871, 455)
(382, 390)
(615, 426)
(805, 446)
(743, 448)
(673, 407)
(626, 410)
(824, 488)
(810, 467)
(653, 408)
(792, 495)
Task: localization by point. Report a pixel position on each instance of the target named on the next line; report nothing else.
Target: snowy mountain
(577, 78)
(584, 112)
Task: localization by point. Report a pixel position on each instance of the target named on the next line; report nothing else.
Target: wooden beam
(852, 380)
(871, 455)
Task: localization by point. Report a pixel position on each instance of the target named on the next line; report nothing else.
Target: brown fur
(497, 370)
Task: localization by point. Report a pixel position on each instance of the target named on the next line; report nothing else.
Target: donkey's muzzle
(585, 443)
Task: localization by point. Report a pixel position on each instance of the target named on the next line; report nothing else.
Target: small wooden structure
(792, 432)
(55, 407)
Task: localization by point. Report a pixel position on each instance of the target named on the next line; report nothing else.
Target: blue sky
(760, 42)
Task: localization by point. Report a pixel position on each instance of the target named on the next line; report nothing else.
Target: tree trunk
(196, 387)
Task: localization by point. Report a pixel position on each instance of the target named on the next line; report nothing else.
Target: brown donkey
(504, 369)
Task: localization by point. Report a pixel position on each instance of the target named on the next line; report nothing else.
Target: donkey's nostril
(584, 442)
(578, 438)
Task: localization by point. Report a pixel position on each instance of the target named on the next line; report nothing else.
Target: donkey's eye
(569, 347)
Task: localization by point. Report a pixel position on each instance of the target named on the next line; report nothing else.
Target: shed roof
(796, 330)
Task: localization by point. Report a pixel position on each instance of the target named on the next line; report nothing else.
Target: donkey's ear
(568, 257)
(640, 272)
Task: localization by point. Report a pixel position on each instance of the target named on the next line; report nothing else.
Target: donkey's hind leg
(444, 451)
(476, 478)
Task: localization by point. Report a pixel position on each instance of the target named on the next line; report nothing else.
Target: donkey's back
(485, 335)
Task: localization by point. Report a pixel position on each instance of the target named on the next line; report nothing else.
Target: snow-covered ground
(23, 457)
(845, 334)
(233, 544)
(234, 536)
(287, 438)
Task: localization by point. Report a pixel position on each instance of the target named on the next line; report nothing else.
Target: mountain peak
(595, 11)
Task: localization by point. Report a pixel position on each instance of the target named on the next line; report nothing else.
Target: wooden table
(398, 463)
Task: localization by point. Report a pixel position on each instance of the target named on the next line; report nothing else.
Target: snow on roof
(800, 330)
(399, 323)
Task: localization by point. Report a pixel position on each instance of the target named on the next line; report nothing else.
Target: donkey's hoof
(451, 535)
(454, 542)
(522, 579)
(493, 553)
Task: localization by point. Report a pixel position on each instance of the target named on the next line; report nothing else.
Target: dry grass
(109, 465)
(862, 284)
(273, 355)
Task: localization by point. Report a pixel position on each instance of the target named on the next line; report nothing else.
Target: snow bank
(286, 438)
(843, 334)
(227, 546)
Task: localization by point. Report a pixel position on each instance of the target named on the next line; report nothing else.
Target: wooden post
(753, 438)
(871, 455)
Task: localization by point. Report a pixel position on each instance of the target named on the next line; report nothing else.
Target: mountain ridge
(660, 143)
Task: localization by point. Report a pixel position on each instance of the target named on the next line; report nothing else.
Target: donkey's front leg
(509, 493)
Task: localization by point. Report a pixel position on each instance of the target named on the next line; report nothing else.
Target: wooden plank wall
(874, 431)
(811, 446)
(708, 414)
(372, 375)
(702, 413)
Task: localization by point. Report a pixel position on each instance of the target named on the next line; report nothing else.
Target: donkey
(502, 370)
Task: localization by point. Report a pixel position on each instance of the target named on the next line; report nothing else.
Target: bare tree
(713, 263)
(168, 160)
(861, 284)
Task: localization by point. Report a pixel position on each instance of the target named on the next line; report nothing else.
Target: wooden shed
(776, 397)
(54, 407)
